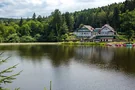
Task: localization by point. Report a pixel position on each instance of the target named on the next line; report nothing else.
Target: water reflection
(103, 57)
(124, 59)
(94, 55)
(56, 53)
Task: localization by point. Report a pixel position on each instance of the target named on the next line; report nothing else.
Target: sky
(26, 8)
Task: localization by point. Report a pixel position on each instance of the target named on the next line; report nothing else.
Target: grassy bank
(34, 43)
(65, 43)
(84, 43)
(57, 43)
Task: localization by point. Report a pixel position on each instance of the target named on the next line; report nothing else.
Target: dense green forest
(58, 26)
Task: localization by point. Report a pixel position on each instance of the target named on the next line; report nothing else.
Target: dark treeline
(57, 26)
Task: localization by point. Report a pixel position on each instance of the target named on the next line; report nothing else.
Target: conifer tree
(34, 16)
(21, 22)
(4, 79)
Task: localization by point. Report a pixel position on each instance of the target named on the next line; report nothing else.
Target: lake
(71, 67)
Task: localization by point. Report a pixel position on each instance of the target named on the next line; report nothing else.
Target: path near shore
(36, 43)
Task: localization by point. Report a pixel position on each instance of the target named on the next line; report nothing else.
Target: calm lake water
(71, 67)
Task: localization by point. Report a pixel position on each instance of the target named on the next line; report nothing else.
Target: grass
(84, 43)
(33, 43)
(58, 43)
(122, 37)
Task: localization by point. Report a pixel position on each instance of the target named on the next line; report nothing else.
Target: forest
(58, 26)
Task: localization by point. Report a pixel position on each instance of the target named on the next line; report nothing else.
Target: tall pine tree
(34, 16)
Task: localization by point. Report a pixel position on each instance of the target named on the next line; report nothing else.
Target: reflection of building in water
(107, 55)
(83, 52)
(94, 54)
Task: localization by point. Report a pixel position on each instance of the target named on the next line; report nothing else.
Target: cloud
(25, 8)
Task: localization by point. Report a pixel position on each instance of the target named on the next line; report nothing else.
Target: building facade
(85, 32)
(104, 34)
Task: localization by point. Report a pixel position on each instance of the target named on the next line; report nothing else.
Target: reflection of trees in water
(36, 53)
(8, 47)
(106, 57)
(124, 59)
(31, 52)
(60, 54)
(26, 52)
(56, 53)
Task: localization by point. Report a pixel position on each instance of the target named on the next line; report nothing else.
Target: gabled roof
(108, 26)
(89, 27)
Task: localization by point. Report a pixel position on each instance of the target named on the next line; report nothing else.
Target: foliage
(24, 30)
(34, 16)
(21, 22)
(122, 37)
(27, 39)
(69, 19)
(4, 77)
(128, 24)
(13, 38)
(130, 34)
(120, 16)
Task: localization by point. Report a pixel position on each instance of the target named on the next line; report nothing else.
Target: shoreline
(63, 43)
(36, 43)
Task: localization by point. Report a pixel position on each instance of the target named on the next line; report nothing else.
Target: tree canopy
(57, 26)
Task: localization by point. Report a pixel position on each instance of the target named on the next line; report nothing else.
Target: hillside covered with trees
(57, 26)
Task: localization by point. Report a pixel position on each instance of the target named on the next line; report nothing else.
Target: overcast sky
(26, 8)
